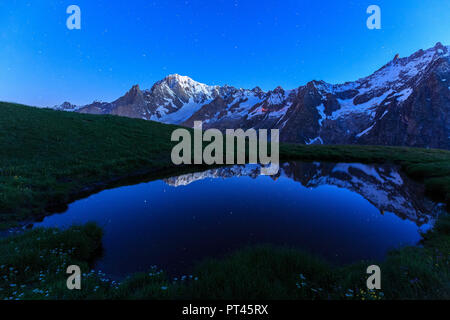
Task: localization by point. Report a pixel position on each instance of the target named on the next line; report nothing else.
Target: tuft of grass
(262, 272)
(33, 264)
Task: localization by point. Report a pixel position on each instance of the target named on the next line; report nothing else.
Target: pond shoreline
(47, 165)
(147, 175)
(375, 202)
(45, 168)
(419, 272)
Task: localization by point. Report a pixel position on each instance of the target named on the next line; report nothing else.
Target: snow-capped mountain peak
(399, 71)
(186, 87)
(405, 102)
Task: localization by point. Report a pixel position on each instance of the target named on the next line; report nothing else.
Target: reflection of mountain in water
(385, 186)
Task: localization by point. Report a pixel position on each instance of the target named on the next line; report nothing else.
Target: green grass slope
(49, 158)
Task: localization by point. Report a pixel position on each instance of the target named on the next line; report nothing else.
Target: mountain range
(405, 103)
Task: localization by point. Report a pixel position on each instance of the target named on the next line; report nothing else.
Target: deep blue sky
(241, 43)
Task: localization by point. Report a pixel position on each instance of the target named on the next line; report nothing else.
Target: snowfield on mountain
(406, 103)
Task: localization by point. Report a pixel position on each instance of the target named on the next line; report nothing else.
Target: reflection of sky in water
(157, 224)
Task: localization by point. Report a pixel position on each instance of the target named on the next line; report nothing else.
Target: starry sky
(243, 43)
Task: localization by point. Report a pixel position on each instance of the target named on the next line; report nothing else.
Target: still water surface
(343, 212)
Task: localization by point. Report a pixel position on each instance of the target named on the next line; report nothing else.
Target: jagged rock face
(66, 106)
(406, 102)
(385, 186)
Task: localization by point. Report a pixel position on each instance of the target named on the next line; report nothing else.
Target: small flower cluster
(184, 278)
(361, 294)
(303, 284)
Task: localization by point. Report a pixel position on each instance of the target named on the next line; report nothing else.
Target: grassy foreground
(49, 158)
(33, 265)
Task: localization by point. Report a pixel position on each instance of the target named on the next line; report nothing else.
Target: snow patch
(322, 114)
(281, 112)
(404, 94)
(348, 107)
(368, 170)
(313, 141)
(182, 114)
(365, 131)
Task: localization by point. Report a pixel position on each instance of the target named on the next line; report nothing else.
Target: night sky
(240, 43)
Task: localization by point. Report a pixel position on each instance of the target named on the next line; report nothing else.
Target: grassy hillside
(49, 158)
